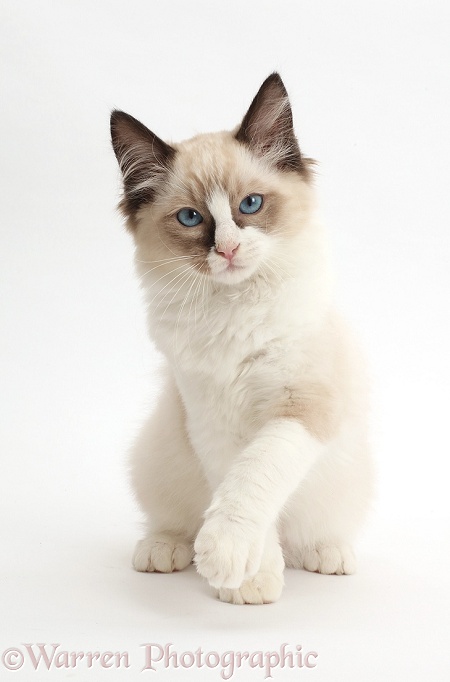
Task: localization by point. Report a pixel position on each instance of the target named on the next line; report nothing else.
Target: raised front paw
(227, 551)
(264, 588)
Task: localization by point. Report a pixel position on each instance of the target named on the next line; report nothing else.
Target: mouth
(232, 273)
(231, 267)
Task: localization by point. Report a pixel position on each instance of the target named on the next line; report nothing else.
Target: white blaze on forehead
(219, 205)
(227, 232)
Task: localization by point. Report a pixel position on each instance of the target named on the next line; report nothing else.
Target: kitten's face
(220, 206)
(222, 203)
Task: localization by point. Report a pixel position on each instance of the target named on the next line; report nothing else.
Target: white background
(370, 88)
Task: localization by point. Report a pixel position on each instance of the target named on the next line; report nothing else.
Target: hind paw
(162, 553)
(329, 559)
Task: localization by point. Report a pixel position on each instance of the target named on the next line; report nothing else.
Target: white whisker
(181, 282)
(181, 310)
(174, 279)
(166, 260)
(166, 274)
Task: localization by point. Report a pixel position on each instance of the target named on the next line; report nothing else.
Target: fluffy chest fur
(234, 355)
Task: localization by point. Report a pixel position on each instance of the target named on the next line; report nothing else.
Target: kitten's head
(227, 203)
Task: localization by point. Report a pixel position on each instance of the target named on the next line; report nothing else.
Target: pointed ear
(143, 159)
(267, 128)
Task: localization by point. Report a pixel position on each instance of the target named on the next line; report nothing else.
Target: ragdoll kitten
(256, 455)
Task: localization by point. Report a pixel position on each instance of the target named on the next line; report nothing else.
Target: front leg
(229, 546)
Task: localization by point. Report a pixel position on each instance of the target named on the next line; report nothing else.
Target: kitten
(256, 455)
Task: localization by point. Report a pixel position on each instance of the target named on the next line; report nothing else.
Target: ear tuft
(143, 160)
(267, 128)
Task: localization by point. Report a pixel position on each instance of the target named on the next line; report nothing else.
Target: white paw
(162, 553)
(329, 559)
(264, 588)
(227, 552)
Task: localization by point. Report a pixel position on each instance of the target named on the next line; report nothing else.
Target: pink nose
(227, 251)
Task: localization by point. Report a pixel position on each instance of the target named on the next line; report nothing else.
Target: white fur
(209, 466)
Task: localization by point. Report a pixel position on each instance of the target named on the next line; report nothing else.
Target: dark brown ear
(143, 159)
(267, 128)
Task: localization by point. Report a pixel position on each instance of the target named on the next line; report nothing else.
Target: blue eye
(189, 217)
(251, 204)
